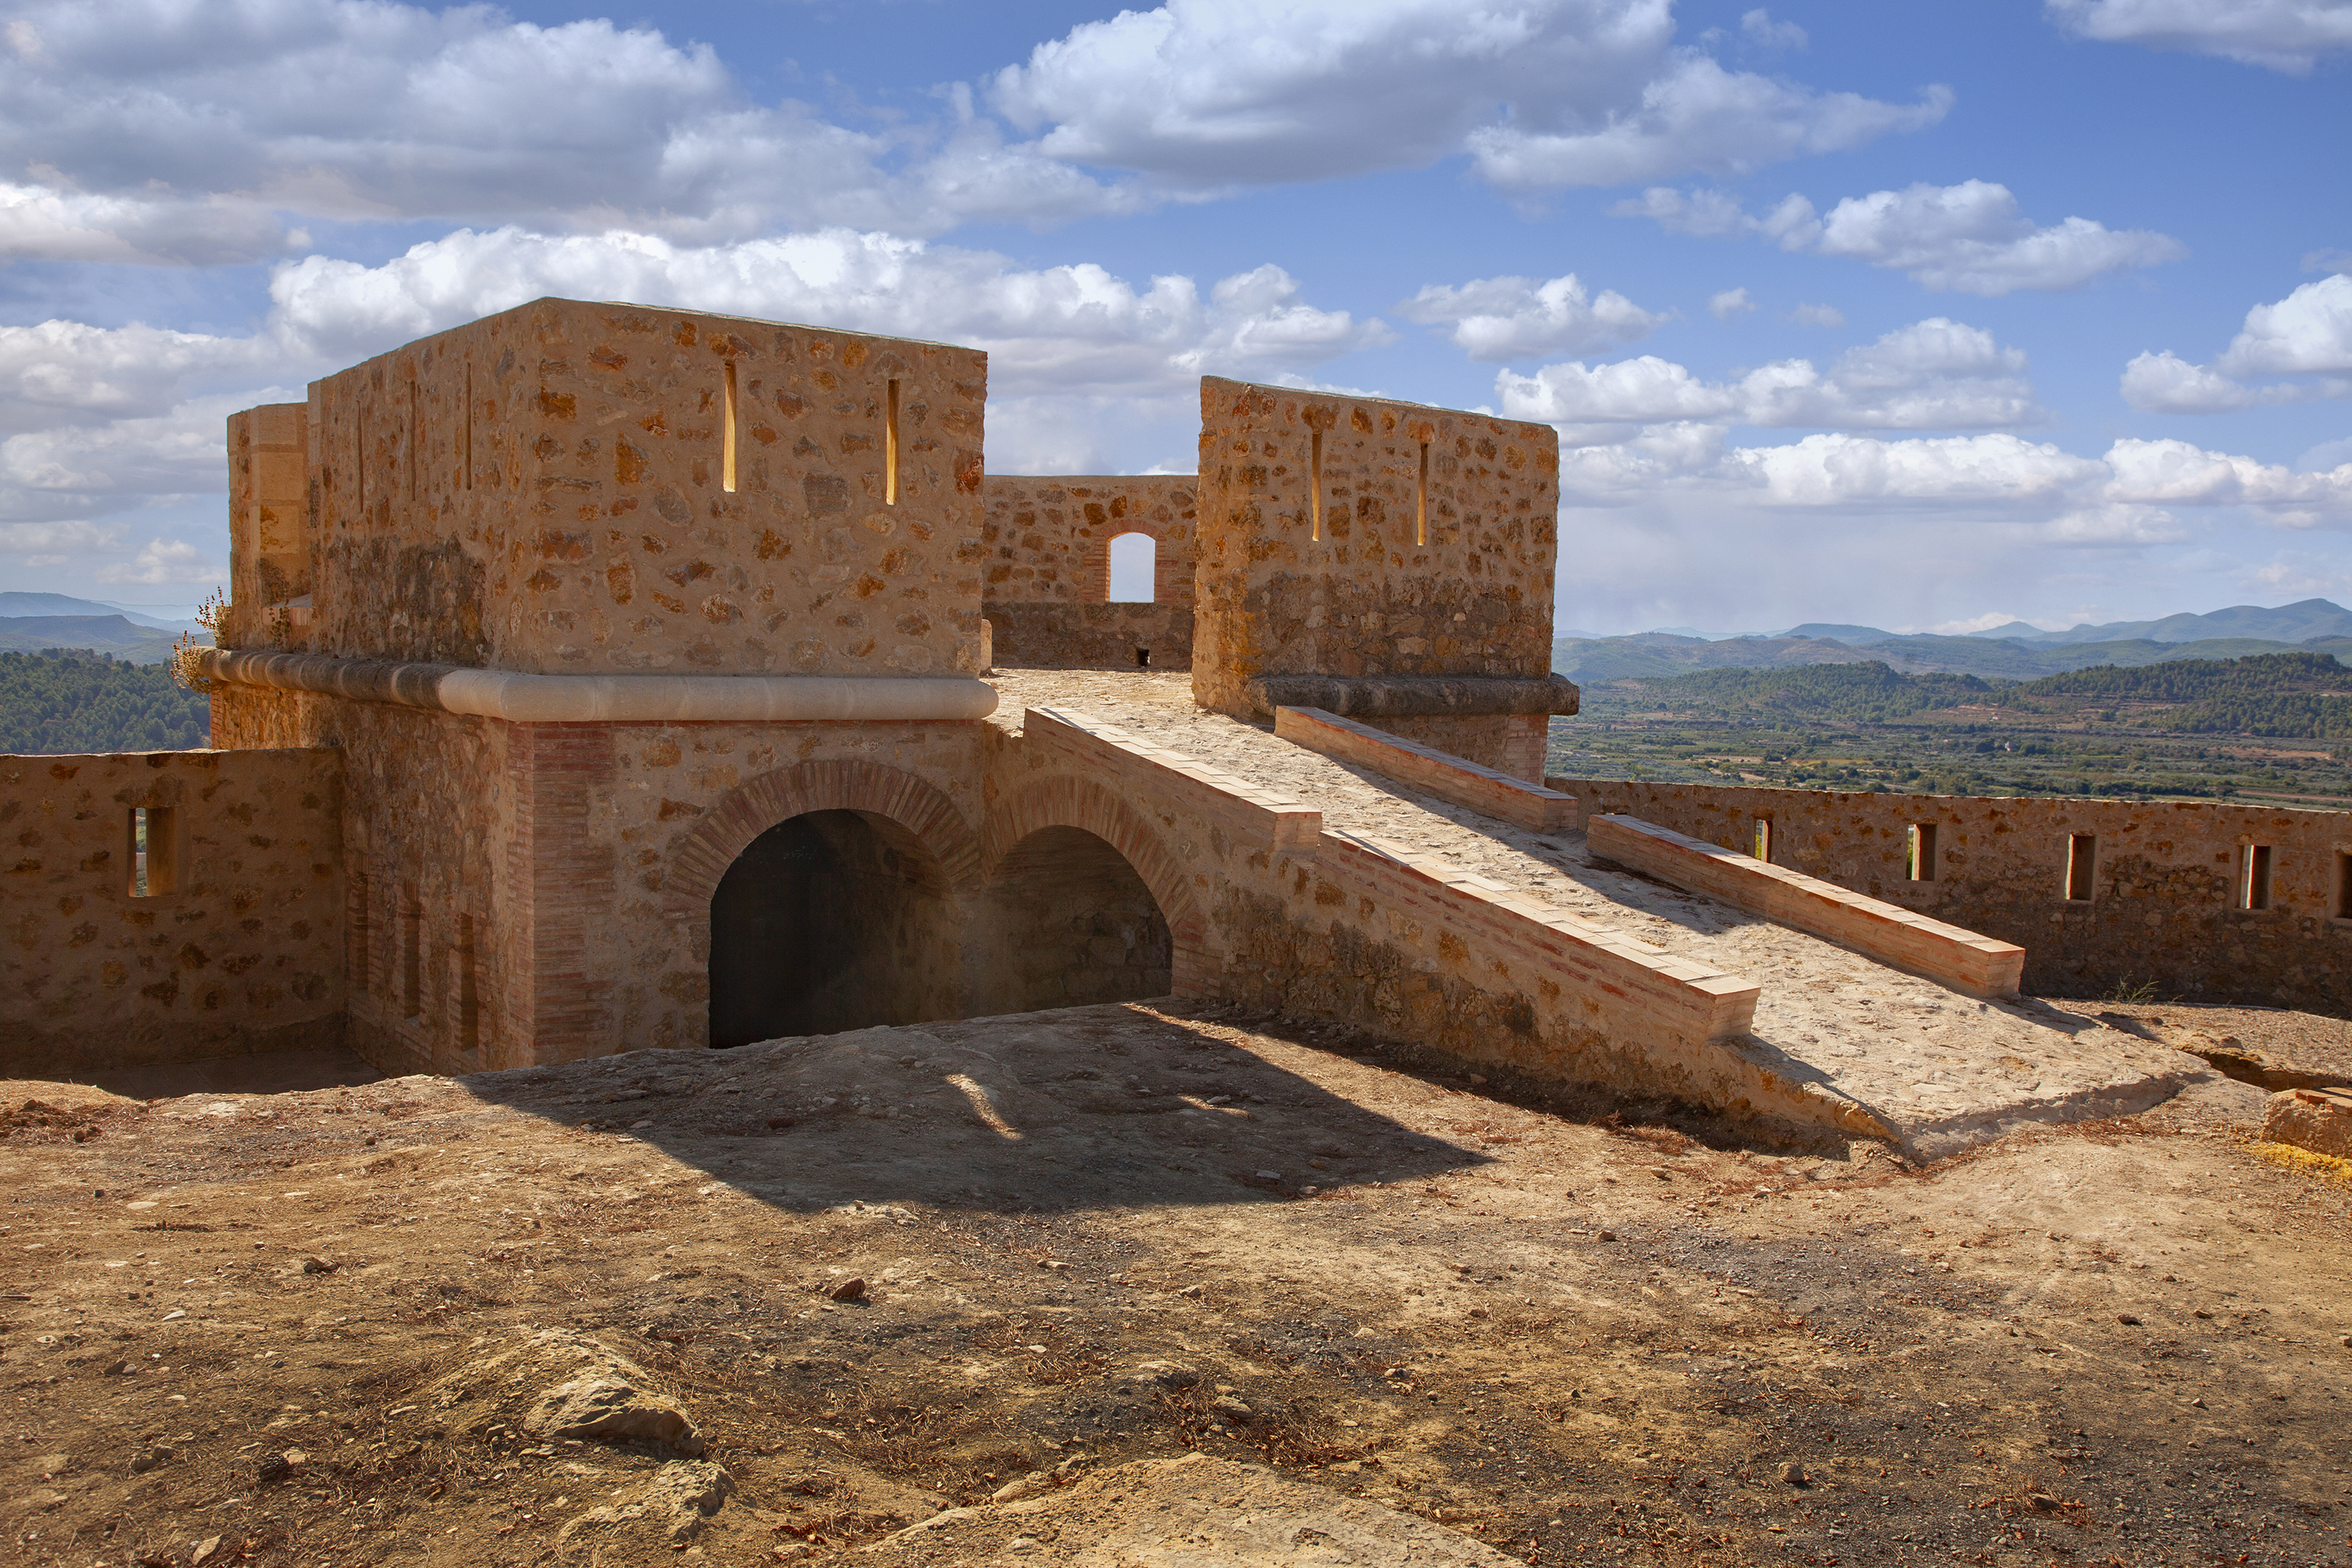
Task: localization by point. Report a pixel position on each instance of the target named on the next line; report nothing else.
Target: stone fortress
(599, 678)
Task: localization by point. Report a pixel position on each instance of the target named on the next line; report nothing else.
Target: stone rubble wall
(1369, 597)
(2163, 910)
(244, 954)
(1048, 580)
(548, 489)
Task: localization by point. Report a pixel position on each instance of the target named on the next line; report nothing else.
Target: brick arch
(1069, 800)
(1172, 565)
(910, 813)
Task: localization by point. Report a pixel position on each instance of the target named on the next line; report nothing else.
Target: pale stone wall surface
(1380, 573)
(244, 952)
(2163, 906)
(1048, 538)
(1050, 636)
(548, 489)
(269, 509)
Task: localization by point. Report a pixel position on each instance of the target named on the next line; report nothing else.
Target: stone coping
(1415, 695)
(1976, 965)
(524, 699)
(1425, 767)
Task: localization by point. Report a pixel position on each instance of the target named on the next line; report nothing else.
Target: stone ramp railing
(1900, 938)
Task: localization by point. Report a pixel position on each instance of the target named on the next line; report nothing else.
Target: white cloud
(2117, 523)
(165, 561)
(2178, 473)
(1500, 318)
(1935, 374)
(1070, 329)
(1828, 316)
(1765, 33)
(1729, 303)
(2288, 35)
(1543, 94)
(2308, 333)
(1968, 238)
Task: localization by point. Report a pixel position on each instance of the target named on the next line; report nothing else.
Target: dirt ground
(322, 1326)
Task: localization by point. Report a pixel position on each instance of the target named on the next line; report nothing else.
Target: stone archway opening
(830, 920)
(1067, 923)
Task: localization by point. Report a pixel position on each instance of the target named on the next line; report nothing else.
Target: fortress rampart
(2205, 902)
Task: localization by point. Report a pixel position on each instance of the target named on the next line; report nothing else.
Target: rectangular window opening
(1922, 856)
(2081, 865)
(727, 436)
(151, 842)
(1763, 848)
(890, 449)
(2344, 885)
(1143, 658)
(469, 1008)
(466, 456)
(416, 437)
(2253, 876)
(1315, 486)
(359, 442)
(1420, 500)
(412, 955)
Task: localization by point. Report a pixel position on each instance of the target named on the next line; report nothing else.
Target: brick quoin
(1066, 800)
(561, 876)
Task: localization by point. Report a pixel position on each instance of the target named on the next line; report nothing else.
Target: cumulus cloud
(1542, 93)
(165, 561)
(150, 130)
(1729, 303)
(1968, 238)
(1501, 319)
(159, 132)
(1828, 316)
(2289, 36)
(1934, 374)
(2308, 335)
(1071, 329)
(1763, 32)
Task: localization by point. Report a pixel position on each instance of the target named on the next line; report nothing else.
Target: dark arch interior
(1069, 922)
(831, 921)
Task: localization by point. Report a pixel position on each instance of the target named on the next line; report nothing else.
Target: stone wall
(236, 947)
(1048, 538)
(601, 488)
(2164, 880)
(1048, 571)
(1347, 537)
(1049, 635)
(270, 532)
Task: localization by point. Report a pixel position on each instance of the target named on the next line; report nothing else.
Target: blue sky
(1930, 316)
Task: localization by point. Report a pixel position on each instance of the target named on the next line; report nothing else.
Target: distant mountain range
(2314, 625)
(31, 622)
(112, 635)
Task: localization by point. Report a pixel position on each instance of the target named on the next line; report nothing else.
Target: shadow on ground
(1078, 1108)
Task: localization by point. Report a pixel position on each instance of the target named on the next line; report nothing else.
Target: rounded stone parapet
(521, 699)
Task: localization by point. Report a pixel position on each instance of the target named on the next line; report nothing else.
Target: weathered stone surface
(568, 486)
(1446, 776)
(2319, 1120)
(1070, 635)
(2161, 907)
(1415, 696)
(673, 1508)
(1048, 540)
(1187, 1513)
(559, 1383)
(236, 948)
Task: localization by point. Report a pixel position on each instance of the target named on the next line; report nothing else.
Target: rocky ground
(793, 1302)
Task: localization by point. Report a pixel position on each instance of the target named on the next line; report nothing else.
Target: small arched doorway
(1066, 923)
(830, 920)
(1132, 574)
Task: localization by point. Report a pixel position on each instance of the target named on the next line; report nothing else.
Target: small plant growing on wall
(186, 670)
